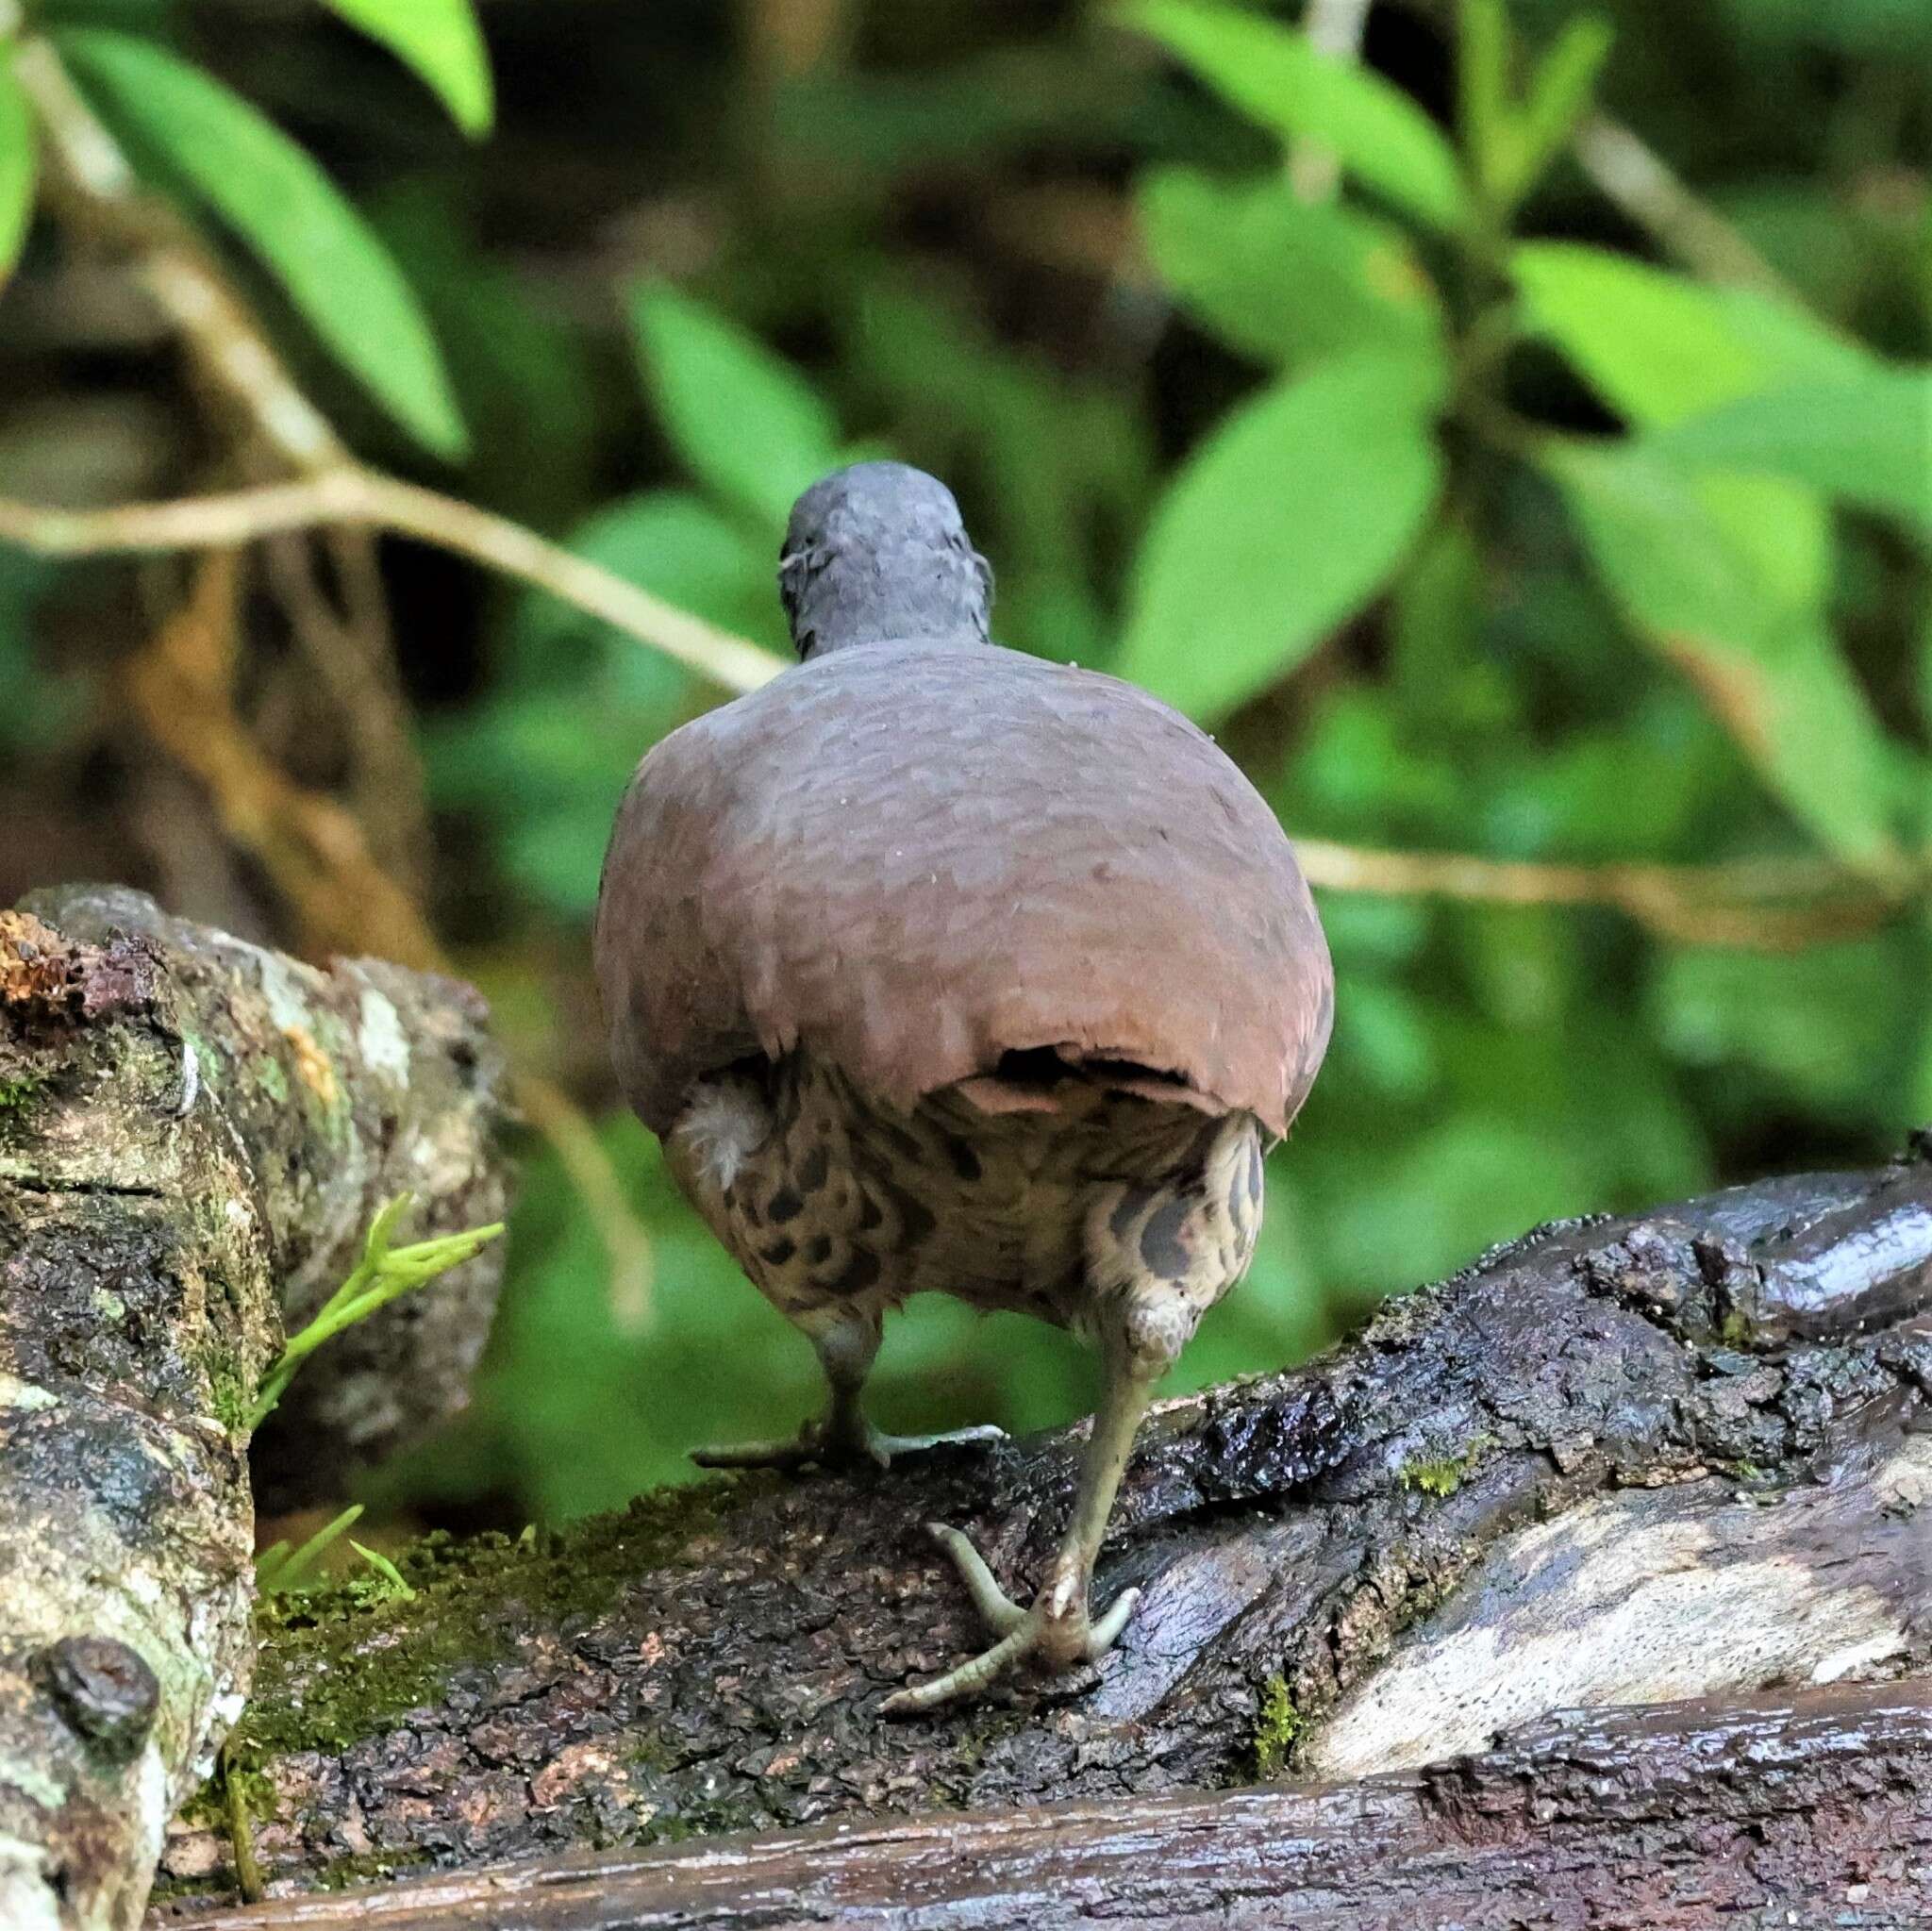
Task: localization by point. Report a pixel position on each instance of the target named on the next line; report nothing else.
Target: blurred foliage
(1468, 514)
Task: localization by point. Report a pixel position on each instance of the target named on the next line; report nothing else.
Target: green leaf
(746, 422)
(1485, 118)
(442, 41)
(325, 257)
(1661, 347)
(1285, 280)
(1281, 525)
(1867, 437)
(18, 159)
(1827, 1030)
(1727, 577)
(386, 1569)
(1273, 75)
(1558, 97)
(1511, 144)
(279, 1569)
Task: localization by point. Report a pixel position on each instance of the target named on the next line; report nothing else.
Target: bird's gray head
(877, 552)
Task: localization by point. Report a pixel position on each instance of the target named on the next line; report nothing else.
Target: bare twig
(92, 186)
(784, 39)
(344, 642)
(317, 852)
(1770, 904)
(1637, 179)
(90, 180)
(351, 496)
(1334, 27)
(561, 1122)
(312, 848)
(316, 856)
(1724, 904)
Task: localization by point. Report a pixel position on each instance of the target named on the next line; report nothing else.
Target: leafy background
(1340, 405)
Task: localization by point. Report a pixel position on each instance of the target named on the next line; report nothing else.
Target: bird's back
(918, 859)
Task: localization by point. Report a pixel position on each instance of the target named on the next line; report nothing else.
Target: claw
(998, 1610)
(1023, 1633)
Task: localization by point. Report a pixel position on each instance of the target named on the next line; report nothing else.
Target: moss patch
(18, 1092)
(370, 1867)
(1278, 1730)
(1439, 1475)
(700, 1817)
(209, 1806)
(231, 1394)
(342, 1663)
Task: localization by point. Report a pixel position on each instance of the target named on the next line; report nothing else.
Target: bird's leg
(1059, 1628)
(847, 1343)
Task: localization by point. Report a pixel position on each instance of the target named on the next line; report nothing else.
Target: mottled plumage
(942, 967)
(833, 1201)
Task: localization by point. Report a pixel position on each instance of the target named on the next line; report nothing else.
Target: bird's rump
(916, 859)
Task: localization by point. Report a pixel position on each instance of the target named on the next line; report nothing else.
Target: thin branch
(317, 852)
(1769, 903)
(316, 856)
(1719, 904)
(311, 845)
(1334, 27)
(90, 180)
(343, 640)
(352, 496)
(574, 1141)
(1637, 179)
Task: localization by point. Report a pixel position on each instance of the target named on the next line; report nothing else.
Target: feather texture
(915, 857)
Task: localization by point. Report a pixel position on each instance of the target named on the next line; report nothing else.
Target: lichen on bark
(195, 1133)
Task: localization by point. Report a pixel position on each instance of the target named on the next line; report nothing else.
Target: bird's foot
(1057, 1630)
(825, 1446)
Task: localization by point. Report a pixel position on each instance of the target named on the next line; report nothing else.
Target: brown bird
(940, 968)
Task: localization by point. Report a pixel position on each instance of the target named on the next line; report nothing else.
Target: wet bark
(1813, 1810)
(1623, 1461)
(195, 1134)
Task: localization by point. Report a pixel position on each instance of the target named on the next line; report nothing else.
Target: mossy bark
(1811, 1809)
(195, 1134)
(1669, 1455)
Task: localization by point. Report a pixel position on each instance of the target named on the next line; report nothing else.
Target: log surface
(1810, 1811)
(195, 1134)
(1622, 1461)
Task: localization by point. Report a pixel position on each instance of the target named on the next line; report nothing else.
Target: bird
(937, 966)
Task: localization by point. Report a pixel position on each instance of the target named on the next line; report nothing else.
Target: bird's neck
(940, 598)
(883, 612)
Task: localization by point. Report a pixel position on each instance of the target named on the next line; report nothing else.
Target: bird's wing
(915, 857)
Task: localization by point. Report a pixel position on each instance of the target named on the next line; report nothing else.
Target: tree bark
(195, 1134)
(1622, 1461)
(1811, 1811)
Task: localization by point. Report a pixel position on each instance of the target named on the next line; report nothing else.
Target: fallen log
(1812, 1810)
(194, 1136)
(1622, 1461)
